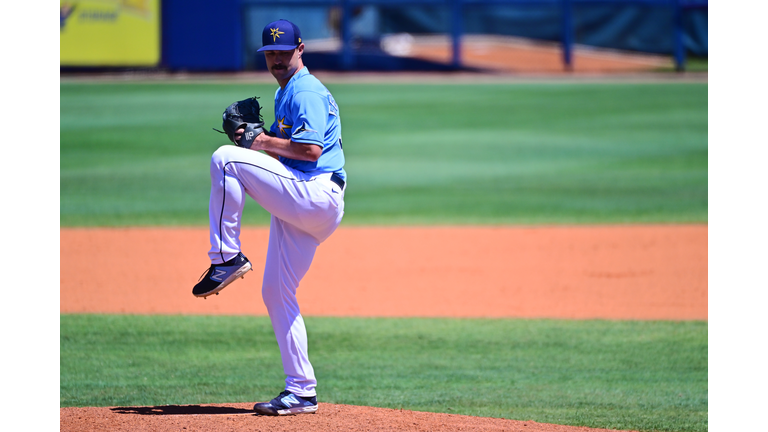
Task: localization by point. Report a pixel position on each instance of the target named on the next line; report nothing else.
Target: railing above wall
(456, 7)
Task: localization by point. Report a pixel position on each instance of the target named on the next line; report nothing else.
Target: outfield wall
(223, 35)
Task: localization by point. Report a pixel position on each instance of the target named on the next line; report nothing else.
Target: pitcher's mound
(238, 417)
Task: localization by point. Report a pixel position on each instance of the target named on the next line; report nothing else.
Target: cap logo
(275, 33)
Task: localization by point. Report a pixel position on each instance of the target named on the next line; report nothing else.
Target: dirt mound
(239, 417)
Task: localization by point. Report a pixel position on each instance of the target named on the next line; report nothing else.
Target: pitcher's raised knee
(223, 154)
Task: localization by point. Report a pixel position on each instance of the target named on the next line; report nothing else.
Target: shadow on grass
(180, 410)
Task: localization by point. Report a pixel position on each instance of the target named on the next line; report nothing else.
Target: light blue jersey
(305, 112)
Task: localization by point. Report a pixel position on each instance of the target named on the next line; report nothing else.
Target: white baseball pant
(305, 211)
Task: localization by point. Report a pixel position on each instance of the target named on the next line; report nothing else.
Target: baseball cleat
(219, 276)
(287, 403)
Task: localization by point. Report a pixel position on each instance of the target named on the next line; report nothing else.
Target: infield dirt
(579, 272)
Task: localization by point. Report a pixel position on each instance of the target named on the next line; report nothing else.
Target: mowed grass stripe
(138, 154)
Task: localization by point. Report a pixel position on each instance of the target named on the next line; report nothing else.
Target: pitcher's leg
(225, 211)
(235, 173)
(289, 257)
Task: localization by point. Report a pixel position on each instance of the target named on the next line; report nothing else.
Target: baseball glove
(245, 114)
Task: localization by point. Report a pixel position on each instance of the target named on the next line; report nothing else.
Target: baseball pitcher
(294, 170)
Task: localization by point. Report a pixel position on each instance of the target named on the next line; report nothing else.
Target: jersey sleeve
(311, 113)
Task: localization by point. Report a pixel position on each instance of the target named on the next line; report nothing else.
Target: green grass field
(621, 375)
(551, 153)
(138, 154)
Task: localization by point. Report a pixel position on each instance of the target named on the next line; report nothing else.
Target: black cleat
(287, 403)
(219, 276)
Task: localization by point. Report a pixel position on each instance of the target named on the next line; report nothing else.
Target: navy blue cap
(280, 35)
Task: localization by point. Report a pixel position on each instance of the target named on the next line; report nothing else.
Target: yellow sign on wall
(110, 33)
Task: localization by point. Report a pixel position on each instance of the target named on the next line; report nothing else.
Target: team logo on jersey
(303, 128)
(275, 33)
(283, 127)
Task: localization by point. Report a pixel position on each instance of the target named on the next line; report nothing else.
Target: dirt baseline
(583, 272)
(609, 272)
